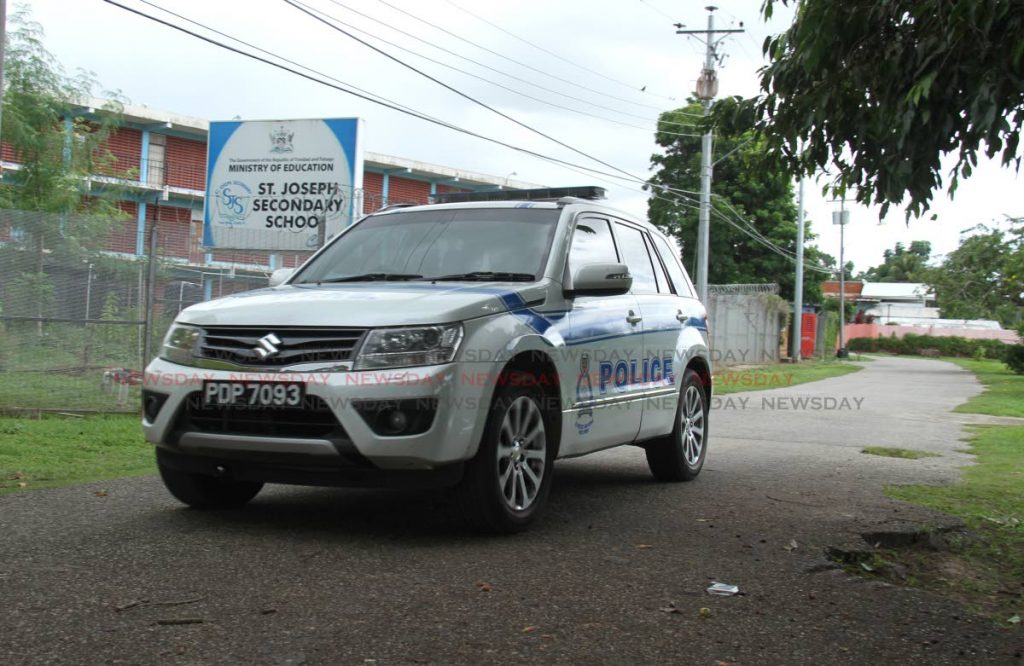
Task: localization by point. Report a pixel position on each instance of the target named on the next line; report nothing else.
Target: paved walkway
(329, 576)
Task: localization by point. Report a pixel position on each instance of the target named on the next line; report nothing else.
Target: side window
(592, 243)
(675, 271)
(634, 255)
(659, 271)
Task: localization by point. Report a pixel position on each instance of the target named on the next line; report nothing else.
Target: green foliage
(56, 151)
(30, 295)
(911, 344)
(984, 277)
(1015, 358)
(877, 92)
(746, 179)
(831, 305)
(901, 264)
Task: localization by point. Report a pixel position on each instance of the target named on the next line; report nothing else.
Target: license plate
(253, 394)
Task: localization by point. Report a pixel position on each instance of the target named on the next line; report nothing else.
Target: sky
(617, 59)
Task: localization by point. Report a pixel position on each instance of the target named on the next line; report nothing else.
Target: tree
(56, 151)
(984, 277)
(876, 93)
(48, 199)
(901, 264)
(751, 197)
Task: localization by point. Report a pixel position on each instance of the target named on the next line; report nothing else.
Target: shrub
(1015, 358)
(912, 344)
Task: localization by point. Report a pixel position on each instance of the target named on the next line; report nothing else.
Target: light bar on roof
(540, 194)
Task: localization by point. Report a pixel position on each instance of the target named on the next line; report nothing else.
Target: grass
(58, 451)
(893, 452)
(985, 569)
(51, 390)
(779, 375)
(1004, 390)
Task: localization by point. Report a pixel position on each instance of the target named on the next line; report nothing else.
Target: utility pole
(707, 88)
(842, 218)
(798, 288)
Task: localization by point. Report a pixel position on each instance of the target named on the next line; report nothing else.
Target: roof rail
(589, 192)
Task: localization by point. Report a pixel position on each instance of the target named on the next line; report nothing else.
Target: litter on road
(723, 589)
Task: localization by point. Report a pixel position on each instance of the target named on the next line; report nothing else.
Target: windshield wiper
(372, 277)
(485, 276)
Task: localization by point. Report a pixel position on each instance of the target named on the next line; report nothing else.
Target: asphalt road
(357, 577)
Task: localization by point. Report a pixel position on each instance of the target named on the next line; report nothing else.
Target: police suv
(468, 343)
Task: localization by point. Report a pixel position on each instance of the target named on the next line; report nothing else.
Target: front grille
(297, 345)
(314, 419)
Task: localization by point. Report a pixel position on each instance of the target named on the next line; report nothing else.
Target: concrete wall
(744, 328)
(876, 331)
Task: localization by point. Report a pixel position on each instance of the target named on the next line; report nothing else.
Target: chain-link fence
(84, 301)
(86, 298)
(75, 318)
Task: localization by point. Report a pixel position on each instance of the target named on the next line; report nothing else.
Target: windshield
(471, 244)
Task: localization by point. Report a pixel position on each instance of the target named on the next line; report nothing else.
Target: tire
(680, 455)
(505, 486)
(207, 492)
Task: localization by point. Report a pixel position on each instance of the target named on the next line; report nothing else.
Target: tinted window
(675, 271)
(441, 242)
(634, 255)
(591, 244)
(659, 272)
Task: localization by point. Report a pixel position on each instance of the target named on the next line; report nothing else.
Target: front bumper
(451, 438)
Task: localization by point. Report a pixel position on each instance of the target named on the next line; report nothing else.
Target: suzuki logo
(267, 346)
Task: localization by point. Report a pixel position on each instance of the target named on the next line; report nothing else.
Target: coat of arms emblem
(281, 140)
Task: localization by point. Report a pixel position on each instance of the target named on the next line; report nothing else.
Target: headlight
(180, 344)
(402, 347)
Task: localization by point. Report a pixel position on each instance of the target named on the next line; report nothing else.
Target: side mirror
(601, 280)
(280, 275)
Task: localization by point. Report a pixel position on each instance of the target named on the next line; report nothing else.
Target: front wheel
(680, 455)
(505, 486)
(206, 492)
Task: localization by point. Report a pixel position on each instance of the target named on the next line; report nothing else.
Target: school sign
(281, 185)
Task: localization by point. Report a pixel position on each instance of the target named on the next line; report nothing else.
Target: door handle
(634, 318)
(681, 318)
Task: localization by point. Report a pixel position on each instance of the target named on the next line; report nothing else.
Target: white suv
(456, 344)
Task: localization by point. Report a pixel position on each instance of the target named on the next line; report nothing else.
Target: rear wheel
(505, 486)
(206, 492)
(680, 455)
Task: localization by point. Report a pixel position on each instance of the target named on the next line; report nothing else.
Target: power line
(484, 79)
(265, 51)
(302, 8)
(355, 92)
(657, 10)
(751, 231)
(513, 60)
(555, 55)
(681, 198)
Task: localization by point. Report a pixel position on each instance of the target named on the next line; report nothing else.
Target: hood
(363, 304)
